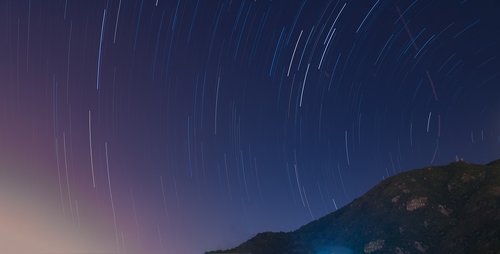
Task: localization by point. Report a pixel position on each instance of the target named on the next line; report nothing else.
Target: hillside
(446, 209)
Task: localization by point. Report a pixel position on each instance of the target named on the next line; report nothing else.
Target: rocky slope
(447, 209)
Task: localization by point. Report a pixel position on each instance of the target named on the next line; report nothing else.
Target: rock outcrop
(446, 209)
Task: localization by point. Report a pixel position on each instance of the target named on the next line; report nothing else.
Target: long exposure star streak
(178, 126)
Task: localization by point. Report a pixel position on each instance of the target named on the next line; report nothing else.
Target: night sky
(180, 126)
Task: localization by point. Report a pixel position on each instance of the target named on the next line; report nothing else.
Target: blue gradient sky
(184, 126)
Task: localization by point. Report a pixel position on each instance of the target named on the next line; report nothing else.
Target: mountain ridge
(441, 209)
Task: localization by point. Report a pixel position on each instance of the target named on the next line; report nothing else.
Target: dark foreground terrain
(446, 209)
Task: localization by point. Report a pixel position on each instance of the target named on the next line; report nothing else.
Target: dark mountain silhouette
(446, 209)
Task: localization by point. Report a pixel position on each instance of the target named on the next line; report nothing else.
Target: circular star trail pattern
(179, 126)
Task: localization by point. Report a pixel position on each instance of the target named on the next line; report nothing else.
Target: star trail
(182, 126)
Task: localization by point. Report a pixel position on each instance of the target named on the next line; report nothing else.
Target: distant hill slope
(446, 209)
